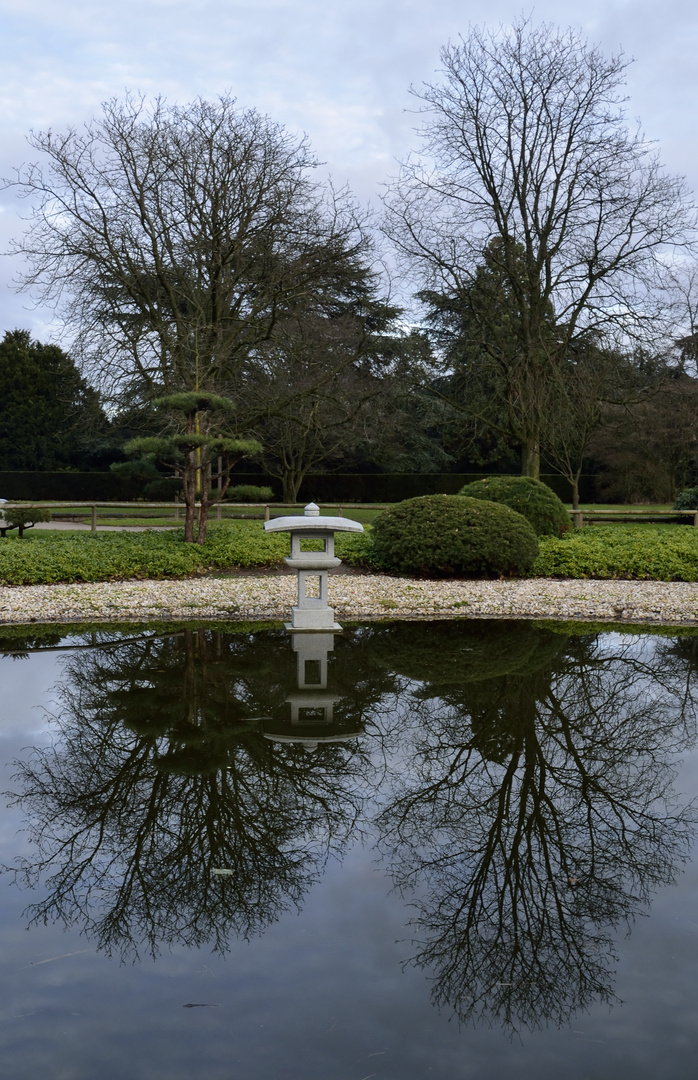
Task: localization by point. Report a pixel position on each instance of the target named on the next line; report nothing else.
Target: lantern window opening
(312, 674)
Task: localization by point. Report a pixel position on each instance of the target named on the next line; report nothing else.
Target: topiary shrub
(23, 517)
(687, 500)
(532, 498)
(448, 535)
(249, 493)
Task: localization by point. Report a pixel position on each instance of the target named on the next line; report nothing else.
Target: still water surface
(410, 850)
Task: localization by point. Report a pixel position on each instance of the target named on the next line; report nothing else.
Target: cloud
(338, 71)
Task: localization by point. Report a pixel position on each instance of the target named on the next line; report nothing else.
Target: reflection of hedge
(529, 497)
(489, 675)
(448, 653)
(450, 535)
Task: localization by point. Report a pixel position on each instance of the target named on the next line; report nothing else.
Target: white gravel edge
(354, 597)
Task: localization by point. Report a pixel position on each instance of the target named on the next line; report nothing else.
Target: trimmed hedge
(449, 535)
(529, 497)
(250, 493)
(320, 487)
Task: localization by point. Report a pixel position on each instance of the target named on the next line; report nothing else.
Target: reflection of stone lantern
(312, 611)
(313, 722)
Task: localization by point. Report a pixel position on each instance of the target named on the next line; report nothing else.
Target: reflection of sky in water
(321, 993)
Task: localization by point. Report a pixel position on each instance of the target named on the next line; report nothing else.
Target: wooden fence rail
(578, 516)
(266, 508)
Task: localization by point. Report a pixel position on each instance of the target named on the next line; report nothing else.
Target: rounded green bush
(448, 535)
(687, 500)
(535, 500)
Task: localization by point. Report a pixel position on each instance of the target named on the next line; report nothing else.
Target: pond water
(458, 849)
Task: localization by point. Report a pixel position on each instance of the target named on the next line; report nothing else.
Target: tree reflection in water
(161, 774)
(527, 811)
(537, 815)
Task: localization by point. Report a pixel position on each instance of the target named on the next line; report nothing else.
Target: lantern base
(314, 628)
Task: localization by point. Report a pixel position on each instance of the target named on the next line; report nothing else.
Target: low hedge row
(659, 553)
(48, 557)
(655, 553)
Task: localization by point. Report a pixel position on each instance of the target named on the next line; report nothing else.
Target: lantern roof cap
(311, 520)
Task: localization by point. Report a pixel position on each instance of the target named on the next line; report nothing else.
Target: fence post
(94, 518)
(695, 520)
(177, 507)
(267, 515)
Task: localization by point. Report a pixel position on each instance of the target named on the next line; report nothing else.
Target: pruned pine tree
(199, 454)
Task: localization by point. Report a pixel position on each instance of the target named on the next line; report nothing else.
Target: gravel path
(354, 597)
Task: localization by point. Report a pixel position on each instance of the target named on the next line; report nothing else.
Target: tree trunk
(575, 492)
(291, 482)
(205, 488)
(189, 486)
(530, 459)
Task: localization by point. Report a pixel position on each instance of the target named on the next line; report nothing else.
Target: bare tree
(170, 236)
(528, 157)
(173, 239)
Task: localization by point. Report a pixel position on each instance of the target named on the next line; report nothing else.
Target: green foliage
(26, 516)
(687, 500)
(655, 553)
(48, 413)
(141, 469)
(190, 440)
(451, 535)
(660, 553)
(529, 497)
(154, 445)
(249, 493)
(231, 447)
(47, 557)
(357, 549)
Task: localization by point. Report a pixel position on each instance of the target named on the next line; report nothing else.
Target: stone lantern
(312, 611)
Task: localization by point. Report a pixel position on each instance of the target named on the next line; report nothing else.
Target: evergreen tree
(48, 413)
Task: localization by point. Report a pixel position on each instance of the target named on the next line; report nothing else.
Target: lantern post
(312, 611)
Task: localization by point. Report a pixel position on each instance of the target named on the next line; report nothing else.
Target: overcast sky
(338, 71)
